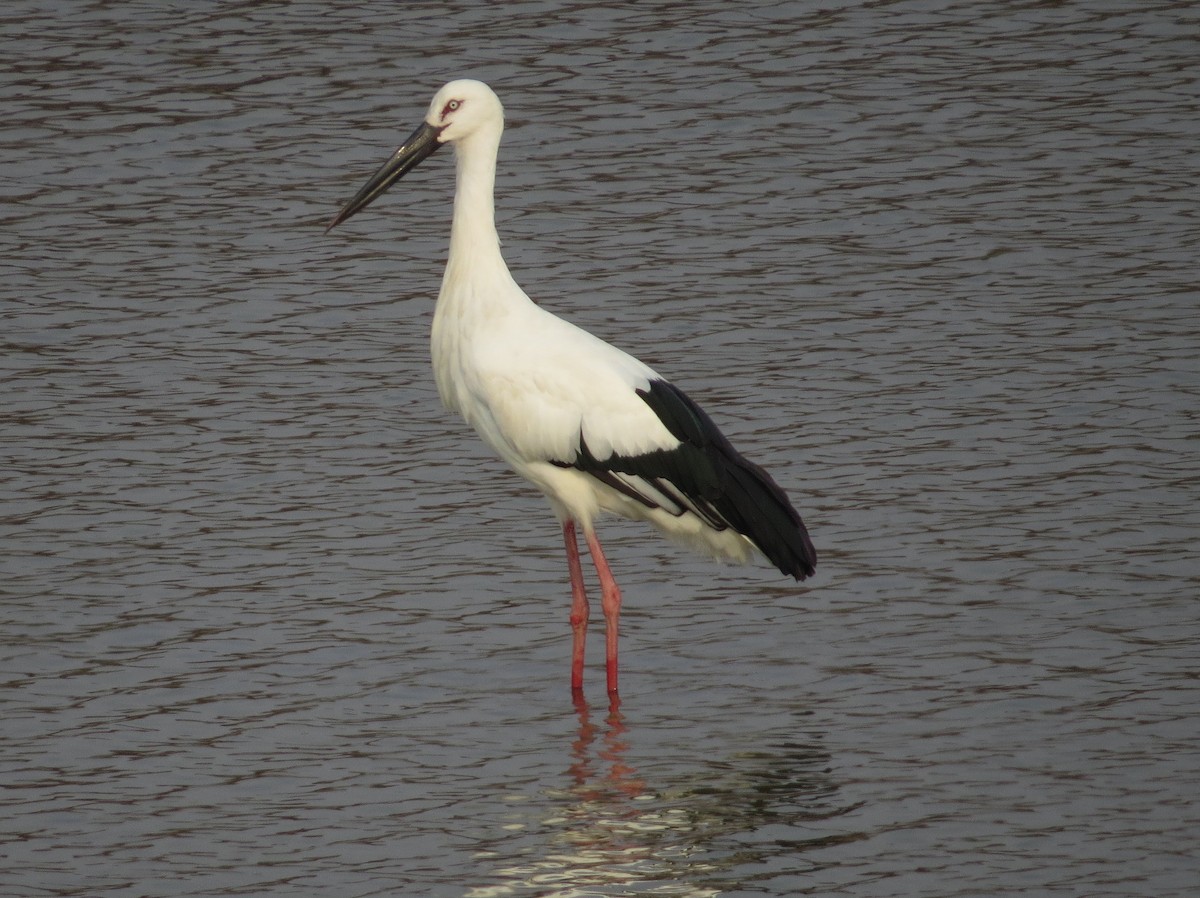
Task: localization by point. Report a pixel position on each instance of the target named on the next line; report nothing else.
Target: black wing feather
(706, 475)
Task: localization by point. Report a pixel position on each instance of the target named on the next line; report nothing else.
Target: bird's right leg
(579, 605)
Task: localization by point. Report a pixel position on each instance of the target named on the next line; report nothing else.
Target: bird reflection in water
(602, 773)
(611, 831)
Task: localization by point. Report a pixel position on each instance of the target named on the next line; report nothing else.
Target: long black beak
(420, 144)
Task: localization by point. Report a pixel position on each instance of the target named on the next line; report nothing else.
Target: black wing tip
(785, 543)
(804, 564)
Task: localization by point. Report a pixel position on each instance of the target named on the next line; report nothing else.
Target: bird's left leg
(579, 605)
(610, 601)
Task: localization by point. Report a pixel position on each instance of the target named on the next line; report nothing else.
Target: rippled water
(275, 624)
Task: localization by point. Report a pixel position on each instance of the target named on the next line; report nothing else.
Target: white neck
(474, 243)
(477, 289)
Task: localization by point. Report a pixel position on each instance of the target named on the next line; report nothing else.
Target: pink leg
(610, 599)
(579, 606)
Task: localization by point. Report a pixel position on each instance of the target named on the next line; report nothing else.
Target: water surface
(274, 623)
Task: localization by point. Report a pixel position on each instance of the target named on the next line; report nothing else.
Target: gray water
(274, 623)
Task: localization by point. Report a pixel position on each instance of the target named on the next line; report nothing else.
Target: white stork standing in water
(590, 426)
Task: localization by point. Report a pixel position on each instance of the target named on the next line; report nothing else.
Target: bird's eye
(452, 106)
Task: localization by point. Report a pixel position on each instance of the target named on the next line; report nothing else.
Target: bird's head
(460, 110)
